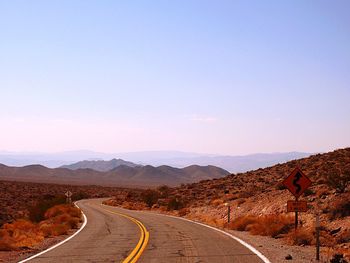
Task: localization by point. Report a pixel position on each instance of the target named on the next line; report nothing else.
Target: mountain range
(177, 159)
(123, 175)
(99, 165)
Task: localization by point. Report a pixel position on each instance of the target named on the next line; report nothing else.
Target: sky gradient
(222, 77)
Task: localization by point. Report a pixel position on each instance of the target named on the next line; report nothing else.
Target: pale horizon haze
(219, 77)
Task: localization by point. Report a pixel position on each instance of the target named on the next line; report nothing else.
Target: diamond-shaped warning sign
(297, 182)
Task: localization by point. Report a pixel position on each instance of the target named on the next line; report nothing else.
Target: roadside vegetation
(47, 219)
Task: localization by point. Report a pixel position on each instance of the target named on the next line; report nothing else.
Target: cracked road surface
(110, 237)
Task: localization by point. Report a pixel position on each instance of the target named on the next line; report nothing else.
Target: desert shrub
(184, 211)
(111, 202)
(150, 197)
(340, 207)
(231, 197)
(164, 191)
(323, 192)
(23, 233)
(37, 212)
(308, 192)
(240, 201)
(80, 195)
(62, 209)
(175, 204)
(247, 193)
(338, 180)
(60, 219)
(66, 219)
(217, 202)
(300, 237)
(268, 225)
(344, 237)
(134, 205)
(50, 230)
(210, 220)
(242, 222)
(271, 225)
(7, 243)
(45, 228)
(338, 258)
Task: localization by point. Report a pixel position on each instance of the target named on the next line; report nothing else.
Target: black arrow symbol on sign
(295, 182)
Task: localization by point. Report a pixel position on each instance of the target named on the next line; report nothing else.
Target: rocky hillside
(258, 200)
(329, 173)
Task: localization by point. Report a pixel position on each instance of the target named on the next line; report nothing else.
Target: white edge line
(62, 242)
(250, 247)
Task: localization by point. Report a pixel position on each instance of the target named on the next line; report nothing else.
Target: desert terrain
(258, 202)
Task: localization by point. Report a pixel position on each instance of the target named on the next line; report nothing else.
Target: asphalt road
(110, 237)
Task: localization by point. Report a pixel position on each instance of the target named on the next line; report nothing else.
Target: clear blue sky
(228, 77)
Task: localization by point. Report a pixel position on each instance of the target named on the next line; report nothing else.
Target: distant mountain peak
(99, 165)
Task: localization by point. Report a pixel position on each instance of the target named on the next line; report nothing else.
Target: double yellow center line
(141, 245)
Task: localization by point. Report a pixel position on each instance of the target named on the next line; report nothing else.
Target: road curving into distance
(118, 235)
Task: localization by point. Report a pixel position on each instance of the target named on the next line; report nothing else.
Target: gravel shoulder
(276, 250)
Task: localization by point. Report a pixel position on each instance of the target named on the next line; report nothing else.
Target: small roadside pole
(296, 216)
(317, 236)
(317, 229)
(68, 194)
(228, 212)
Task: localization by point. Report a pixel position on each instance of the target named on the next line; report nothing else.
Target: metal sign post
(296, 215)
(228, 212)
(317, 237)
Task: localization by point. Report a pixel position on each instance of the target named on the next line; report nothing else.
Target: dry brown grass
(59, 220)
(217, 202)
(7, 243)
(300, 236)
(344, 237)
(306, 236)
(62, 209)
(268, 225)
(134, 205)
(49, 230)
(207, 219)
(342, 253)
(271, 225)
(23, 233)
(242, 222)
(184, 211)
(340, 207)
